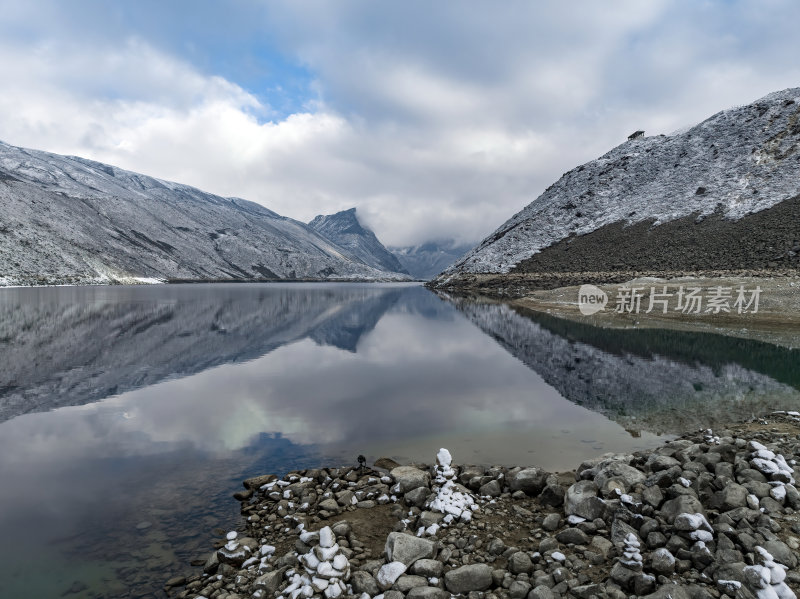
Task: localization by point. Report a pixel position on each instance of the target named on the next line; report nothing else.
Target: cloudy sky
(434, 119)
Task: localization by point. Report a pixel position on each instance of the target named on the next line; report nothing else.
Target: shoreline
(706, 515)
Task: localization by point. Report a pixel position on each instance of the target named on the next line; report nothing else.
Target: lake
(129, 415)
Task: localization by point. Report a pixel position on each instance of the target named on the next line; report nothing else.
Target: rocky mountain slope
(723, 195)
(344, 229)
(70, 220)
(427, 260)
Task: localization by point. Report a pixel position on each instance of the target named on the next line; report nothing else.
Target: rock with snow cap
(407, 549)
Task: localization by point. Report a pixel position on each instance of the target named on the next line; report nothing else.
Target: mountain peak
(345, 230)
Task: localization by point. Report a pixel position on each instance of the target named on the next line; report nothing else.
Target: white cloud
(435, 121)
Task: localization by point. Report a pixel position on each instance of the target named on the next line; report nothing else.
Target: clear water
(129, 415)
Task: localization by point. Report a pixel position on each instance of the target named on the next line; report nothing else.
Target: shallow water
(129, 415)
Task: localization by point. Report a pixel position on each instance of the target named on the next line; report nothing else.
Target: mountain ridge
(426, 260)
(735, 164)
(71, 220)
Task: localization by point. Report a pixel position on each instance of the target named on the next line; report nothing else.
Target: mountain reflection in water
(129, 415)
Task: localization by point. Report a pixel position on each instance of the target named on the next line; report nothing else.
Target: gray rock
(496, 547)
(388, 574)
(529, 480)
(683, 504)
(405, 548)
(628, 474)
(620, 531)
(670, 591)
(258, 481)
(520, 563)
(270, 582)
(473, 577)
(329, 505)
(781, 552)
(581, 500)
(519, 589)
(408, 478)
(658, 462)
(363, 582)
(572, 535)
(427, 593)
(408, 581)
(663, 562)
(417, 497)
(427, 519)
(552, 495)
(491, 489)
(748, 475)
(653, 496)
(623, 576)
(551, 522)
(601, 545)
(541, 592)
(469, 472)
(729, 497)
(430, 568)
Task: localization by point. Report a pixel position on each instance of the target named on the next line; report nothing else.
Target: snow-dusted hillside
(737, 163)
(70, 220)
(427, 260)
(344, 229)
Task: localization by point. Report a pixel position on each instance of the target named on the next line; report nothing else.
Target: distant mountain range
(721, 196)
(427, 260)
(66, 219)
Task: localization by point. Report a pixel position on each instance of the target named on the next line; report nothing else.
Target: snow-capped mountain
(70, 220)
(427, 260)
(724, 194)
(344, 229)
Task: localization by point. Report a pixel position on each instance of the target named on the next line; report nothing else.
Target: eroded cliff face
(722, 195)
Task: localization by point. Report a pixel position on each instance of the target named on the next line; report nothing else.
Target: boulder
(529, 480)
(473, 577)
(407, 549)
(627, 474)
(389, 573)
(406, 582)
(417, 497)
(429, 568)
(408, 478)
(572, 535)
(682, 504)
(427, 593)
(362, 582)
(581, 500)
(520, 563)
(729, 497)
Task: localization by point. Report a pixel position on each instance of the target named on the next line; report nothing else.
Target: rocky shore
(712, 514)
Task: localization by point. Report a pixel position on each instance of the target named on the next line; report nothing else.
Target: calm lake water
(129, 415)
